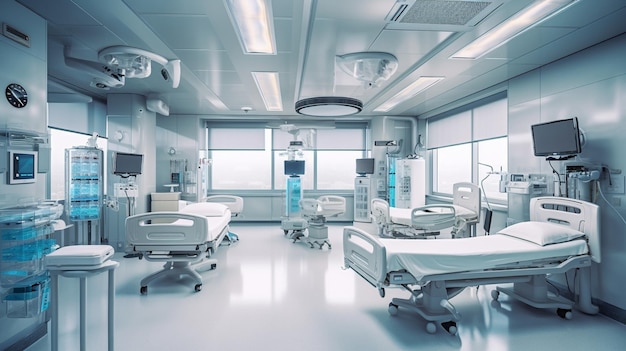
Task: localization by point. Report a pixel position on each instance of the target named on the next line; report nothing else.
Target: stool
(80, 261)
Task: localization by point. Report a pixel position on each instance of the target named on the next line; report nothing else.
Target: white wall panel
(590, 85)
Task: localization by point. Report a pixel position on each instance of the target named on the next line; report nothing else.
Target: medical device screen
(294, 167)
(364, 166)
(22, 167)
(127, 164)
(556, 138)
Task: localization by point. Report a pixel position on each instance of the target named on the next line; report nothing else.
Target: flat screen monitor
(364, 166)
(294, 167)
(127, 164)
(556, 138)
(22, 167)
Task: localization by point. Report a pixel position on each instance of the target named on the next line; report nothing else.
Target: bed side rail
(148, 229)
(365, 254)
(433, 217)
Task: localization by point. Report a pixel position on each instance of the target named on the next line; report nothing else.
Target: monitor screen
(22, 167)
(127, 164)
(294, 167)
(556, 138)
(364, 166)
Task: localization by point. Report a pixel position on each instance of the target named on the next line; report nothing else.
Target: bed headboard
(576, 214)
(466, 195)
(380, 211)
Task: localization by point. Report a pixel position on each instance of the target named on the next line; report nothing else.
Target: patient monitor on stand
(292, 221)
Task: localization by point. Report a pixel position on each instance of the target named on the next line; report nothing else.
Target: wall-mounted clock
(16, 95)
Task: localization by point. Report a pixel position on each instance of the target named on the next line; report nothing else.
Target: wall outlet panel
(617, 185)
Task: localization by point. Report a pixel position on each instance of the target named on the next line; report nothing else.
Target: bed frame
(176, 238)
(428, 220)
(430, 297)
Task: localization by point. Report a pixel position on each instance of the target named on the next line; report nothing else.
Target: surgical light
(268, 84)
(253, 25)
(421, 84)
(509, 29)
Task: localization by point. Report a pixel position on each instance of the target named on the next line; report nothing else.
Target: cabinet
(362, 191)
(25, 235)
(84, 185)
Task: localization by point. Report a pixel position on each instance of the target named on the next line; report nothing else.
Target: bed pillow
(542, 233)
(207, 209)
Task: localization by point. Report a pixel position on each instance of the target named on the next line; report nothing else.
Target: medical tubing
(482, 187)
(607, 201)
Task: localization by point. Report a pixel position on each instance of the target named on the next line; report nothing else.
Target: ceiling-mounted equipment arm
(137, 62)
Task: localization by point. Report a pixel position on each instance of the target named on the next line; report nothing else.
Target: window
(452, 164)
(252, 157)
(470, 144)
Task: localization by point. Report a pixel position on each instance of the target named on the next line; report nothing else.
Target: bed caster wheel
(450, 327)
(143, 290)
(431, 328)
(381, 292)
(393, 309)
(495, 294)
(329, 247)
(563, 313)
(286, 232)
(198, 287)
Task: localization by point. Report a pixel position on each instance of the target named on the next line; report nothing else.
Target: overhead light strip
(509, 29)
(268, 84)
(421, 84)
(254, 25)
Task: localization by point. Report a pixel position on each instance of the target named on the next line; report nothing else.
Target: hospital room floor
(268, 293)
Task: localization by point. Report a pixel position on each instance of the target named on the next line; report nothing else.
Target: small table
(81, 272)
(171, 186)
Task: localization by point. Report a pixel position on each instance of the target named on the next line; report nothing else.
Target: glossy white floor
(271, 294)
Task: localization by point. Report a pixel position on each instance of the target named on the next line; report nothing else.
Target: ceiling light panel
(254, 25)
(507, 30)
(268, 84)
(421, 84)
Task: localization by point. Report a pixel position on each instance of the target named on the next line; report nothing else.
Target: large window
(252, 157)
(470, 145)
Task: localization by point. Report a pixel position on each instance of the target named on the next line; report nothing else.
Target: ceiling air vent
(15, 35)
(436, 14)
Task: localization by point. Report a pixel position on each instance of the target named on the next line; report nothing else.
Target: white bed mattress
(403, 215)
(216, 225)
(428, 257)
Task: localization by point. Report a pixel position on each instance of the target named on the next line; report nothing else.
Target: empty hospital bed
(429, 220)
(183, 240)
(563, 235)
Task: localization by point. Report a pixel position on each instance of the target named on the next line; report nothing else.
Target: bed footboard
(366, 255)
(149, 229)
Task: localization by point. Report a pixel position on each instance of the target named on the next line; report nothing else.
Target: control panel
(125, 190)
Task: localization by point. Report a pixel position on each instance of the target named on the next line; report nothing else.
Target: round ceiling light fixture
(329, 106)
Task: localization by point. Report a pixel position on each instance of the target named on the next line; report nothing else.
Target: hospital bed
(429, 220)
(184, 240)
(315, 212)
(562, 235)
(235, 205)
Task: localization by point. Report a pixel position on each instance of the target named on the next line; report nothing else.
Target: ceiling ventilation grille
(439, 12)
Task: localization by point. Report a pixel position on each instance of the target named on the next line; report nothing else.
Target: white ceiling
(216, 78)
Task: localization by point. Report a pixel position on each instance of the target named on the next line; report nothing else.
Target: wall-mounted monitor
(294, 167)
(557, 138)
(127, 164)
(365, 166)
(22, 167)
